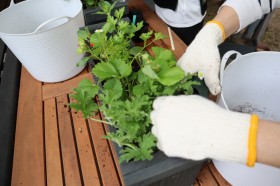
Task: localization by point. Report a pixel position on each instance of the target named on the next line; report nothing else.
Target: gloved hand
(193, 127)
(203, 55)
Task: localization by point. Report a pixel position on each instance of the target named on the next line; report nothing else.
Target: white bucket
(251, 84)
(43, 36)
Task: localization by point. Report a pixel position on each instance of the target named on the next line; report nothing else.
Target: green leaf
(123, 69)
(119, 13)
(97, 39)
(146, 36)
(113, 88)
(83, 96)
(159, 35)
(104, 70)
(106, 6)
(139, 89)
(83, 34)
(107, 27)
(157, 50)
(135, 50)
(171, 76)
(145, 151)
(169, 90)
(147, 69)
(82, 61)
(163, 54)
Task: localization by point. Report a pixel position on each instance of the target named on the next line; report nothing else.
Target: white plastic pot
(251, 84)
(43, 36)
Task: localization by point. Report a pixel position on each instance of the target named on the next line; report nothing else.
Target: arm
(268, 143)
(231, 18)
(258, 7)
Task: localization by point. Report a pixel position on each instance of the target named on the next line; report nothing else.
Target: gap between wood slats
(219, 178)
(205, 178)
(70, 157)
(113, 152)
(54, 168)
(105, 159)
(89, 167)
(209, 176)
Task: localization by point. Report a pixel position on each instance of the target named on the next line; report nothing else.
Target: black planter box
(160, 171)
(92, 18)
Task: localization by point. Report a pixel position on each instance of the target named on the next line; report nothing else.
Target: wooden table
(55, 146)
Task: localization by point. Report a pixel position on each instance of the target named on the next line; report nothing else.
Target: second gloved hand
(193, 127)
(203, 55)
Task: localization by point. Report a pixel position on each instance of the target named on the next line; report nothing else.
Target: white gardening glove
(193, 127)
(203, 56)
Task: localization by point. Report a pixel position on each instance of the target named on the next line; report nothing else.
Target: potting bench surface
(54, 145)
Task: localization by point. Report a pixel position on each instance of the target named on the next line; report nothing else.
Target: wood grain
(85, 149)
(62, 88)
(28, 163)
(68, 146)
(104, 157)
(53, 158)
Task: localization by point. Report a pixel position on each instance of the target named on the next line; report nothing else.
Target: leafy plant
(91, 3)
(129, 79)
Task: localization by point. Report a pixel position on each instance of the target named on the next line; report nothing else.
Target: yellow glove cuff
(252, 141)
(221, 27)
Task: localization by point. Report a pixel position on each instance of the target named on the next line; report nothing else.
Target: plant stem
(130, 145)
(93, 54)
(145, 46)
(102, 121)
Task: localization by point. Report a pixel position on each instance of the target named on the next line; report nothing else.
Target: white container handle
(49, 21)
(222, 69)
(12, 3)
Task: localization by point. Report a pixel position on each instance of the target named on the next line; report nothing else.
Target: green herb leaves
(129, 81)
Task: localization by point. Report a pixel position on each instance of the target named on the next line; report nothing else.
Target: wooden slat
(53, 159)
(85, 150)
(114, 153)
(62, 88)
(104, 157)
(67, 141)
(217, 175)
(28, 160)
(158, 25)
(205, 178)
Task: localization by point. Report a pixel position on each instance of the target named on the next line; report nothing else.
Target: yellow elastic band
(221, 27)
(252, 143)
